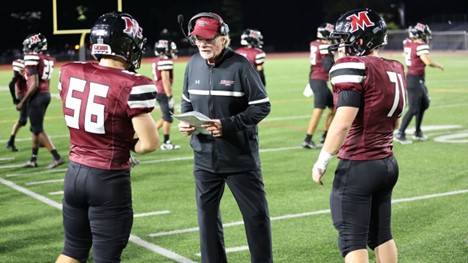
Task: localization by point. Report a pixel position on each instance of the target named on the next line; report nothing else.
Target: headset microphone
(180, 20)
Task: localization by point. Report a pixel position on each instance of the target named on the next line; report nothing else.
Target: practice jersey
(20, 84)
(318, 51)
(382, 86)
(99, 104)
(413, 51)
(256, 56)
(40, 64)
(160, 64)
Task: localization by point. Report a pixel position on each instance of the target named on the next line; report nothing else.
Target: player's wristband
(323, 160)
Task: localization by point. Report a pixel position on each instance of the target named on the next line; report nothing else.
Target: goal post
(88, 11)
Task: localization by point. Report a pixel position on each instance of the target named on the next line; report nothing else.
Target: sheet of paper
(195, 118)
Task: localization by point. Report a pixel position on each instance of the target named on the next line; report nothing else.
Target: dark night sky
(286, 27)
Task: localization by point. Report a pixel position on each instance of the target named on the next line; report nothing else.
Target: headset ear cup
(224, 29)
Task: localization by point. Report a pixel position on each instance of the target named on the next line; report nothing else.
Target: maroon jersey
(160, 64)
(99, 104)
(318, 50)
(413, 51)
(40, 64)
(20, 85)
(382, 86)
(256, 56)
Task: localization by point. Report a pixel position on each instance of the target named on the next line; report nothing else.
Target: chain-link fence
(441, 40)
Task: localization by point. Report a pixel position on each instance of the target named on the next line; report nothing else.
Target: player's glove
(170, 102)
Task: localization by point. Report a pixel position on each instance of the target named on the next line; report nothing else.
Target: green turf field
(430, 208)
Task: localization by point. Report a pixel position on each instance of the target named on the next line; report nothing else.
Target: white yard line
(319, 212)
(163, 212)
(231, 249)
(134, 239)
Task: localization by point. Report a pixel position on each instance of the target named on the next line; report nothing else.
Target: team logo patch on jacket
(226, 83)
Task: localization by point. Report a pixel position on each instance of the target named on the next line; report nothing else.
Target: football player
(39, 68)
(104, 105)
(18, 88)
(321, 60)
(416, 50)
(369, 92)
(252, 42)
(163, 72)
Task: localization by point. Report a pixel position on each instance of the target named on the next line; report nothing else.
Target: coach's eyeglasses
(210, 41)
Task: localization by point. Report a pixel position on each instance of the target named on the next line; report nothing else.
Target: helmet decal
(420, 27)
(329, 27)
(131, 27)
(360, 21)
(34, 39)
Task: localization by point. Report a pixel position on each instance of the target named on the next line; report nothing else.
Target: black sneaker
(419, 136)
(324, 136)
(30, 164)
(12, 147)
(309, 145)
(401, 138)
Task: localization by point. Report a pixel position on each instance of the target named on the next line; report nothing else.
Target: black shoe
(324, 136)
(419, 136)
(401, 138)
(30, 164)
(309, 145)
(12, 147)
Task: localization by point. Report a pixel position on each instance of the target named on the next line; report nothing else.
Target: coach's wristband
(323, 160)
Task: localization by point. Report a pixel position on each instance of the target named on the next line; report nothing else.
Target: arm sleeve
(258, 104)
(11, 85)
(185, 103)
(349, 98)
(262, 76)
(328, 62)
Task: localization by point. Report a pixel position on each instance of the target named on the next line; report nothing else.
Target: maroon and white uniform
(20, 81)
(318, 51)
(381, 83)
(40, 64)
(256, 56)
(413, 51)
(160, 64)
(98, 104)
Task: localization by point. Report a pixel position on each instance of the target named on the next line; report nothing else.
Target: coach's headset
(223, 29)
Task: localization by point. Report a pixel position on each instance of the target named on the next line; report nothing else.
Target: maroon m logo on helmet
(34, 39)
(132, 27)
(361, 20)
